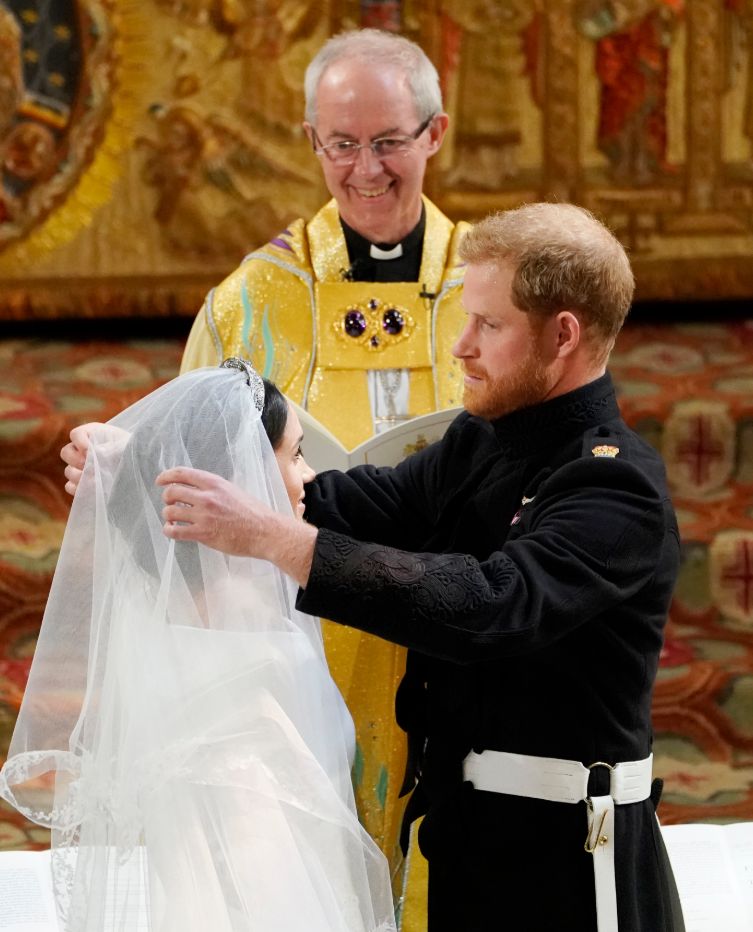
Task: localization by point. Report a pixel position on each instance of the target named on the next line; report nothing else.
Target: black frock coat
(528, 564)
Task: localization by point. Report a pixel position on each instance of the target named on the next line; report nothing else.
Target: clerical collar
(385, 261)
(376, 252)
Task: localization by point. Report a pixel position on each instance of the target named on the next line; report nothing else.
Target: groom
(527, 562)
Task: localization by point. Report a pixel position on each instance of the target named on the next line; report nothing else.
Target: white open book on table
(27, 903)
(324, 451)
(713, 867)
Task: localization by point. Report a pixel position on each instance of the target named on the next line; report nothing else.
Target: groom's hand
(203, 507)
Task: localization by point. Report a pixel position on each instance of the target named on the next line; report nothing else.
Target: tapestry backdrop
(147, 145)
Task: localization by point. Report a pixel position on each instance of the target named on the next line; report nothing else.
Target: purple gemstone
(355, 323)
(393, 321)
(374, 341)
(373, 304)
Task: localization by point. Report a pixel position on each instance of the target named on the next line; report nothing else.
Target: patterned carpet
(689, 389)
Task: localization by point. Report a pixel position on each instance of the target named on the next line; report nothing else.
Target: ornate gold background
(181, 149)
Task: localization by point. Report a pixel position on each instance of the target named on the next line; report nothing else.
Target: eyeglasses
(345, 151)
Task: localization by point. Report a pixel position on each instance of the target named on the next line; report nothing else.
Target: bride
(180, 733)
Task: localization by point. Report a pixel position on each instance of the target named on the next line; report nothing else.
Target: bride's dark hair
(274, 415)
(142, 459)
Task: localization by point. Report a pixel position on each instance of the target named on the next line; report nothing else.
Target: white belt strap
(566, 781)
(600, 843)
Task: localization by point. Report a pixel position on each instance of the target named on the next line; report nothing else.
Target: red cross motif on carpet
(732, 574)
(699, 446)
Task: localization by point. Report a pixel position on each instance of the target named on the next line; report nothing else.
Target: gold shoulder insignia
(605, 449)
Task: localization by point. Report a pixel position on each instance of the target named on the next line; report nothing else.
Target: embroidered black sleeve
(431, 602)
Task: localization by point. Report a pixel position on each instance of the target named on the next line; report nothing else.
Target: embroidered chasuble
(298, 309)
(293, 309)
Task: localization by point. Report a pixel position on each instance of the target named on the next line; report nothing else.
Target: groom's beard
(526, 384)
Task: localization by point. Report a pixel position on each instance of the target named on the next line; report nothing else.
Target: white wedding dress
(180, 733)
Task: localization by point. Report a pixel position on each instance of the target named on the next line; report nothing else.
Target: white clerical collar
(376, 253)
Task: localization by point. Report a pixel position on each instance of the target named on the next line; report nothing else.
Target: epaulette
(602, 442)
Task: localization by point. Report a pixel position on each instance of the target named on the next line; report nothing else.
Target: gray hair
(563, 259)
(381, 49)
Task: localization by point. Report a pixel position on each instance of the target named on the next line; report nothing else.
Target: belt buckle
(599, 839)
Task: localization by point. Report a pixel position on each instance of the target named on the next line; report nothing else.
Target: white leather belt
(566, 781)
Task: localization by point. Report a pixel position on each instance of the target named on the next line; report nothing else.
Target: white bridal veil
(180, 733)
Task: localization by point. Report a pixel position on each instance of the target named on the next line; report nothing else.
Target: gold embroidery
(374, 348)
(373, 317)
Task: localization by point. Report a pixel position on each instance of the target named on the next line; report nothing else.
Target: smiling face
(293, 467)
(501, 347)
(380, 199)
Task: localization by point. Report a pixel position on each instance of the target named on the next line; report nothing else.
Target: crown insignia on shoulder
(605, 449)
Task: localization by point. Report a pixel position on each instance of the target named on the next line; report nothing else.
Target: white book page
(740, 842)
(392, 446)
(323, 450)
(708, 877)
(127, 884)
(26, 902)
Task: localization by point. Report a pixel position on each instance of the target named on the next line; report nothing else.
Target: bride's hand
(74, 454)
(110, 442)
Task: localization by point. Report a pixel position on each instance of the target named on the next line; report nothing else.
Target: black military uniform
(528, 564)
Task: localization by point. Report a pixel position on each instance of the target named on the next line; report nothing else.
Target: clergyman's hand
(206, 508)
(74, 454)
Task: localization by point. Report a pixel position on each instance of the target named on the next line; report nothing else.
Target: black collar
(551, 422)
(363, 267)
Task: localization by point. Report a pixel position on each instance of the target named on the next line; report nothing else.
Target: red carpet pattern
(687, 388)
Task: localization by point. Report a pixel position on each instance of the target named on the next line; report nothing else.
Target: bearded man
(527, 562)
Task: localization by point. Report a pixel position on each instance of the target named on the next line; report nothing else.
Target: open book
(27, 903)
(324, 451)
(713, 867)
